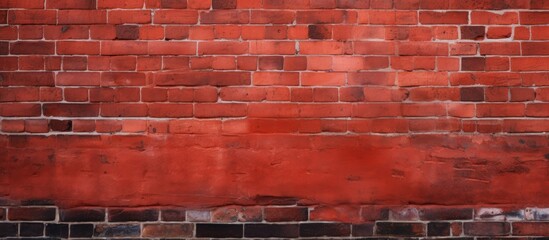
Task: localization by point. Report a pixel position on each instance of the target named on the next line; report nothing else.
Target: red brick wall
(360, 114)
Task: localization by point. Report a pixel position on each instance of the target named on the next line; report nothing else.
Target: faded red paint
(210, 170)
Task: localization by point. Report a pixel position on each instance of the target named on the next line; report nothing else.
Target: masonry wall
(274, 118)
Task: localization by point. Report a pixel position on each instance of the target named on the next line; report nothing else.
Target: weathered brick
(219, 230)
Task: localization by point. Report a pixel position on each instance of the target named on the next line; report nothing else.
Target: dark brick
(363, 230)
(31, 229)
(127, 32)
(167, 230)
(127, 215)
(61, 125)
(286, 214)
(473, 32)
(438, 229)
(224, 4)
(486, 228)
(473, 64)
(37, 202)
(320, 32)
(324, 229)
(446, 213)
(472, 94)
(271, 63)
(2, 213)
(8, 229)
(173, 3)
(57, 230)
(219, 230)
(81, 230)
(400, 229)
(173, 215)
(82, 215)
(32, 214)
(271, 230)
(121, 230)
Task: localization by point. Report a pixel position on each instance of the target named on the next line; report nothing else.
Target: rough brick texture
(293, 118)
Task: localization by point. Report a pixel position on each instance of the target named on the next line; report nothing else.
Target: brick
(535, 48)
(400, 229)
(19, 110)
(450, 17)
(534, 18)
(37, 48)
(31, 229)
(486, 228)
(446, 213)
(82, 215)
(473, 32)
(473, 64)
(14, 126)
(32, 17)
(57, 230)
(130, 16)
(167, 230)
(224, 17)
(203, 78)
(219, 230)
(438, 229)
(175, 17)
(232, 48)
(60, 125)
(110, 48)
(31, 214)
(271, 230)
(82, 17)
(530, 228)
(8, 229)
(118, 230)
(224, 4)
(81, 230)
(324, 229)
(173, 214)
(78, 79)
(71, 110)
(71, 4)
(286, 214)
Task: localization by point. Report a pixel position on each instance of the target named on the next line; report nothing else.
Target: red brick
(286, 214)
(195, 127)
(13, 126)
(25, 48)
(129, 16)
(71, 110)
(534, 18)
(82, 17)
(426, 17)
(175, 17)
(32, 17)
(170, 110)
(71, 4)
(167, 230)
(78, 79)
(486, 228)
(224, 17)
(78, 48)
(220, 110)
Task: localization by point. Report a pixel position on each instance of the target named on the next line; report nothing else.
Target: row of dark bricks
(254, 230)
(268, 221)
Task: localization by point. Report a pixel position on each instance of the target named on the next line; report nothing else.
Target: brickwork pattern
(278, 221)
(274, 66)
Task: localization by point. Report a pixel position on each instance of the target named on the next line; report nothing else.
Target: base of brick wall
(41, 219)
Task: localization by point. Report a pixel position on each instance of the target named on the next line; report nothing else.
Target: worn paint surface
(212, 170)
